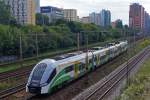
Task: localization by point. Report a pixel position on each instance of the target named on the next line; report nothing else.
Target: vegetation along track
(115, 78)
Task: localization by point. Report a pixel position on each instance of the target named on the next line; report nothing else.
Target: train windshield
(38, 73)
(51, 76)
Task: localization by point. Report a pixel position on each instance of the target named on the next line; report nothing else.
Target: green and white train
(49, 74)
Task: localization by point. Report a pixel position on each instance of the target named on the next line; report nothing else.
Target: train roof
(98, 47)
(57, 58)
(75, 56)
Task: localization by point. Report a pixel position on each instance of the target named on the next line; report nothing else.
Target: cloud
(119, 8)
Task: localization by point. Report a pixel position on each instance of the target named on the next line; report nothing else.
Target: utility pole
(37, 47)
(78, 41)
(21, 56)
(127, 59)
(43, 19)
(134, 42)
(87, 62)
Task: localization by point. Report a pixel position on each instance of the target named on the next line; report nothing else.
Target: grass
(139, 88)
(16, 66)
(11, 82)
(138, 46)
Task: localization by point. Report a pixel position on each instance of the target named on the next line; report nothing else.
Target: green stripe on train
(59, 79)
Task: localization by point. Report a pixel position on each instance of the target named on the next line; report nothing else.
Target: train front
(41, 76)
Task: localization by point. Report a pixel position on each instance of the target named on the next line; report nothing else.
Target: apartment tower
(22, 10)
(136, 16)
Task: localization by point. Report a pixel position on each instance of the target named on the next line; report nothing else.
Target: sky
(119, 8)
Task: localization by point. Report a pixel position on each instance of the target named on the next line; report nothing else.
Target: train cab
(41, 76)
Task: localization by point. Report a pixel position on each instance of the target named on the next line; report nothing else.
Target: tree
(5, 15)
(60, 21)
(119, 24)
(42, 19)
(126, 27)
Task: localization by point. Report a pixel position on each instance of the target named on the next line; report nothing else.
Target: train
(50, 74)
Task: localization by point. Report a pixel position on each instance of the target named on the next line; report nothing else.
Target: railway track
(114, 79)
(14, 74)
(6, 76)
(104, 87)
(13, 90)
(16, 89)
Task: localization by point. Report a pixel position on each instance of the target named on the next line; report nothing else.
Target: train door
(107, 55)
(92, 62)
(76, 69)
(97, 60)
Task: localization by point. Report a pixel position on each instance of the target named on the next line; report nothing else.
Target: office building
(105, 18)
(70, 14)
(53, 13)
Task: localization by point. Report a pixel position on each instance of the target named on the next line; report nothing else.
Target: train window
(81, 66)
(94, 49)
(94, 58)
(90, 61)
(69, 69)
(38, 72)
(51, 76)
(102, 57)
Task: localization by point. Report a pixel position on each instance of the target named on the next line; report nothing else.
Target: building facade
(37, 6)
(136, 16)
(30, 12)
(147, 22)
(53, 13)
(85, 20)
(105, 18)
(22, 10)
(94, 18)
(113, 24)
(70, 14)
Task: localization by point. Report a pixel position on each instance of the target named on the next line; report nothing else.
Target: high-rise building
(119, 23)
(53, 13)
(147, 22)
(30, 12)
(94, 18)
(37, 6)
(70, 14)
(136, 16)
(105, 18)
(22, 10)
